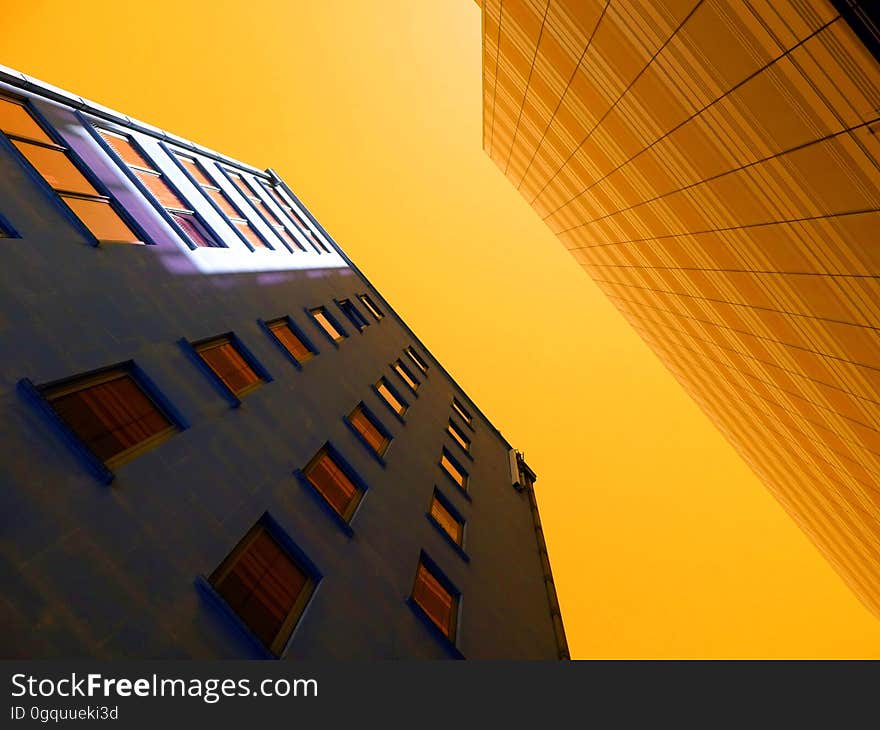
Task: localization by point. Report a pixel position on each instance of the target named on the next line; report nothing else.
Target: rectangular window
(370, 429)
(290, 340)
(222, 202)
(447, 519)
(458, 436)
(391, 397)
(225, 359)
(353, 314)
(459, 408)
(405, 375)
(371, 306)
(194, 231)
(434, 595)
(57, 167)
(417, 359)
(110, 412)
(265, 585)
(453, 469)
(327, 475)
(269, 216)
(280, 198)
(329, 325)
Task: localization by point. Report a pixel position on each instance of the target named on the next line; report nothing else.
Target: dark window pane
(434, 600)
(228, 364)
(111, 416)
(329, 479)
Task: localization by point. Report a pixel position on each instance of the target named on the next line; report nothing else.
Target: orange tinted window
(159, 188)
(194, 169)
(461, 411)
(327, 325)
(405, 376)
(15, 119)
(262, 585)
(239, 183)
(110, 413)
(417, 359)
(250, 234)
(218, 197)
(101, 220)
(450, 468)
(366, 428)
(390, 398)
(227, 363)
(293, 344)
(194, 230)
(451, 526)
(335, 486)
(459, 437)
(125, 150)
(56, 168)
(435, 600)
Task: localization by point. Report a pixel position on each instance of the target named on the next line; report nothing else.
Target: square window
(328, 325)
(458, 435)
(405, 375)
(391, 397)
(353, 314)
(436, 597)
(371, 306)
(417, 359)
(224, 356)
(370, 429)
(334, 482)
(460, 409)
(291, 339)
(265, 585)
(447, 518)
(453, 470)
(110, 412)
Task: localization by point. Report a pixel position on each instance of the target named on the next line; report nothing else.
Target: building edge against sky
(223, 443)
(715, 168)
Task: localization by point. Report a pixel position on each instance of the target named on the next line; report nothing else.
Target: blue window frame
(279, 197)
(449, 522)
(140, 168)
(335, 484)
(106, 416)
(285, 333)
(247, 188)
(461, 439)
(223, 204)
(77, 193)
(371, 306)
(406, 375)
(453, 469)
(370, 431)
(437, 601)
(353, 314)
(328, 324)
(228, 364)
(264, 586)
(6, 229)
(392, 399)
(417, 359)
(463, 413)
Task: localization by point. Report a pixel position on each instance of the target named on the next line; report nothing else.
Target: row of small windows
(88, 200)
(115, 413)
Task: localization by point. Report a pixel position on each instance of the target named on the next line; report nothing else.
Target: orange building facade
(715, 169)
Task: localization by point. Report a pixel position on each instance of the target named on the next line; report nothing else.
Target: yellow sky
(662, 541)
